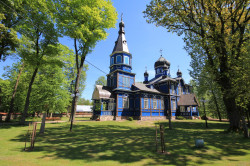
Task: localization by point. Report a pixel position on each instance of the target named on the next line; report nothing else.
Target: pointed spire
(121, 43)
(179, 73)
(146, 72)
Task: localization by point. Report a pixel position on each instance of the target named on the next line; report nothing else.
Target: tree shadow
(128, 145)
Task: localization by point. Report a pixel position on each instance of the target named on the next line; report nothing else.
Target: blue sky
(144, 42)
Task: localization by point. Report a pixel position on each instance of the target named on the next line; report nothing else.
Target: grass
(124, 143)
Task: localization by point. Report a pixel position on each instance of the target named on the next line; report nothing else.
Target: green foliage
(180, 118)
(216, 34)
(98, 106)
(101, 81)
(130, 119)
(51, 87)
(8, 35)
(83, 101)
(85, 20)
(5, 95)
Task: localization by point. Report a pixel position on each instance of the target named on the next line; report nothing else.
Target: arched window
(118, 59)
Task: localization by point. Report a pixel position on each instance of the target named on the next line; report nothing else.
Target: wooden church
(153, 99)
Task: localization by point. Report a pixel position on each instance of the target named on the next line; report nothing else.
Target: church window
(180, 90)
(118, 59)
(174, 105)
(157, 71)
(113, 81)
(112, 60)
(182, 108)
(126, 60)
(125, 102)
(172, 87)
(146, 103)
(125, 82)
(162, 104)
(155, 104)
(111, 105)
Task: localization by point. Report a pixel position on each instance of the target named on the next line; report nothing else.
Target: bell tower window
(118, 59)
(126, 60)
(112, 61)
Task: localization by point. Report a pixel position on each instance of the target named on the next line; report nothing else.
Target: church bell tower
(120, 75)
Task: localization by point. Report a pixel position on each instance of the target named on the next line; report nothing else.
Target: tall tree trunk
(27, 102)
(75, 98)
(216, 104)
(170, 114)
(233, 113)
(77, 81)
(42, 128)
(14, 94)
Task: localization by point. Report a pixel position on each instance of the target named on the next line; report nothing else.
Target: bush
(180, 118)
(130, 119)
(204, 117)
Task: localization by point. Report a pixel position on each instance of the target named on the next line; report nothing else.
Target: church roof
(167, 79)
(143, 87)
(121, 42)
(162, 62)
(101, 92)
(188, 100)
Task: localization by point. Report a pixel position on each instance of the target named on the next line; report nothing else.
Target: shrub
(180, 118)
(204, 117)
(130, 119)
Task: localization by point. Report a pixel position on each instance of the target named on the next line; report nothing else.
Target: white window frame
(182, 108)
(125, 102)
(180, 90)
(146, 103)
(154, 104)
(126, 81)
(174, 105)
(173, 90)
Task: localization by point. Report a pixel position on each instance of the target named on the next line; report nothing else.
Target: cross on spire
(161, 51)
(121, 17)
(146, 68)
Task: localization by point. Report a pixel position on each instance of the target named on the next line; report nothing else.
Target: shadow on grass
(124, 144)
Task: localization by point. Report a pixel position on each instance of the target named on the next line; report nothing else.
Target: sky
(144, 42)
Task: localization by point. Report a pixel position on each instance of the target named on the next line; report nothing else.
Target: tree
(101, 81)
(216, 34)
(39, 40)
(11, 109)
(86, 22)
(8, 20)
(83, 101)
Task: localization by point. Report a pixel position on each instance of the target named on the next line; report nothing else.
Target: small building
(84, 108)
(154, 99)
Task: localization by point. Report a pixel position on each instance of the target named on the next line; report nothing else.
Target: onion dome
(162, 62)
(179, 73)
(146, 74)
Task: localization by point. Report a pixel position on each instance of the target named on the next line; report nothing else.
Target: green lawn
(124, 143)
